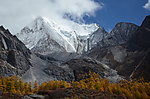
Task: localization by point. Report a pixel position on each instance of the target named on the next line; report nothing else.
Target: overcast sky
(15, 14)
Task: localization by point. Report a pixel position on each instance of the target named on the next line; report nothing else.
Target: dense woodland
(138, 89)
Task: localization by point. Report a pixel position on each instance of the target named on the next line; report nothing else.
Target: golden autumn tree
(35, 86)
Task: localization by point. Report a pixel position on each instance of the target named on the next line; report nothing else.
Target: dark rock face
(14, 55)
(142, 68)
(146, 22)
(130, 55)
(60, 72)
(140, 40)
(74, 69)
(6, 68)
(119, 35)
(82, 66)
(120, 59)
(123, 32)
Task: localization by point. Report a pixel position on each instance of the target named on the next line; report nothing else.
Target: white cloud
(15, 14)
(147, 5)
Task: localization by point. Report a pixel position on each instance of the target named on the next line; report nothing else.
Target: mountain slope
(45, 36)
(120, 34)
(129, 55)
(14, 56)
(96, 37)
(39, 31)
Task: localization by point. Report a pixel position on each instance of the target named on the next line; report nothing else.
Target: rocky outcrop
(6, 68)
(140, 40)
(122, 32)
(119, 58)
(97, 36)
(119, 35)
(146, 22)
(142, 68)
(130, 53)
(62, 72)
(72, 70)
(14, 56)
(82, 66)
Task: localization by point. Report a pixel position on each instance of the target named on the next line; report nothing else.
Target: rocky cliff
(121, 33)
(130, 53)
(141, 42)
(14, 56)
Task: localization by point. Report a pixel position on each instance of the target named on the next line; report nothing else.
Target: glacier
(45, 37)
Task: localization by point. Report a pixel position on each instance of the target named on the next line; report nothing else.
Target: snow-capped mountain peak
(45, 36)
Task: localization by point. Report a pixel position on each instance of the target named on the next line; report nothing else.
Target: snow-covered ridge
(42, 32)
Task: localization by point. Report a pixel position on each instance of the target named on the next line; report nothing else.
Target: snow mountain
(45, 37)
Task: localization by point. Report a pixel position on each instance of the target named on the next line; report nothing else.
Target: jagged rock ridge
(14, 56)
(121, 33)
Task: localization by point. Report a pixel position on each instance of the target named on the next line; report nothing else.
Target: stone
(14, 56)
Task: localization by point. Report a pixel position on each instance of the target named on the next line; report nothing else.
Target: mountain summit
(44, 36)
